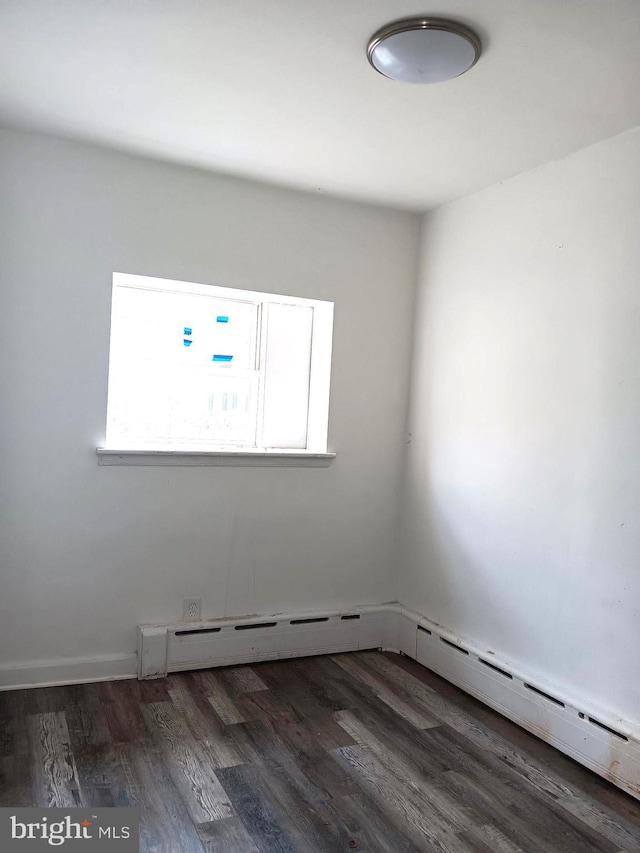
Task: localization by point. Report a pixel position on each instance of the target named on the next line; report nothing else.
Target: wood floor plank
(203, 724)
(123, 714)
(613, 826)
(419, 718)
(263, 748)
(101, 779)
(340, 690)
(585, 818)
(497, 808)
(264, 705)
(294, 796)
(151, 690)
(368, 825)
(16, 764)
(16, 789)
(47, 700)
(219, 698)
(228, 835)
(404, 806)
(445, 810)
(379, 718)
(165, 824)
(308, 825)
(314, 828)
(192, 775)
(54, 771)
(340, 835)
(6, 733)
(16, 711)
(305, 740)
(364, 751)
(489, 839)
(389, 666)
(242, 679)
(293, 685)
(87, 723)
(255, 811)
(537, 824)
(312, 705)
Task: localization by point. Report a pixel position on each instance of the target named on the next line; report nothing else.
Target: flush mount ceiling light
(423, 50)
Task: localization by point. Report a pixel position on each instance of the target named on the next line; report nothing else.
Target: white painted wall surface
(88, 552)
(521, 511)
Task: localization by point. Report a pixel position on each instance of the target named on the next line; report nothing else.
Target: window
(198, 367)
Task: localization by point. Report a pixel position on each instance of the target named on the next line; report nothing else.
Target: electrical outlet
(192, 609)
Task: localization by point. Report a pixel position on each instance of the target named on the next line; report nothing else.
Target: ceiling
(281, 90)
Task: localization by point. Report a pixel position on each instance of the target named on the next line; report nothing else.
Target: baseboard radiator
(591, 736)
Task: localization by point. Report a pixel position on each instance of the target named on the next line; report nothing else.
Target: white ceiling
(281, 90)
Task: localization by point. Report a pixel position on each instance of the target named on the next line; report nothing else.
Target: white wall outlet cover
(192, 609)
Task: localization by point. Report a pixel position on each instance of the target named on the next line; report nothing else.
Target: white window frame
(315, 452)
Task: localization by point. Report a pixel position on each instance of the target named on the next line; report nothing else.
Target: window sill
(204, 458)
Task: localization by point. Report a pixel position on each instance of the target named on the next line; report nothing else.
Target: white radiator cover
(592, 736)
(231, 641)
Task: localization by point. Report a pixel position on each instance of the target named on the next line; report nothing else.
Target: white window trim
(318, 413)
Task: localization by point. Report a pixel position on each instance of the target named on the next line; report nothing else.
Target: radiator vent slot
(544, 695)
(424, 630)
(351, 616)
(309, 621)
(455, 646)
(495, 668)
(196, 631)
(607, 729)
(253, 625)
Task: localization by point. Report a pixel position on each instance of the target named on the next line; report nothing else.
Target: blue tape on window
(225, 358)
(222, 319)
(187, 330)
(187, 342)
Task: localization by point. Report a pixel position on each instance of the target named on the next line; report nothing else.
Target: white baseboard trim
(52, 673)
(592, 736)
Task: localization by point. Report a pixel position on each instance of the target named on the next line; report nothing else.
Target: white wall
(521, 511)
(88, 551)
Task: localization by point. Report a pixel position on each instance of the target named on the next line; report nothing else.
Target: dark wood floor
(365, 751)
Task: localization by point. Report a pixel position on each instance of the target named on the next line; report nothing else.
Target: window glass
(211, 366)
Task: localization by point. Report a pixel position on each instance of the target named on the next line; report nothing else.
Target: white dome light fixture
(423, 50)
